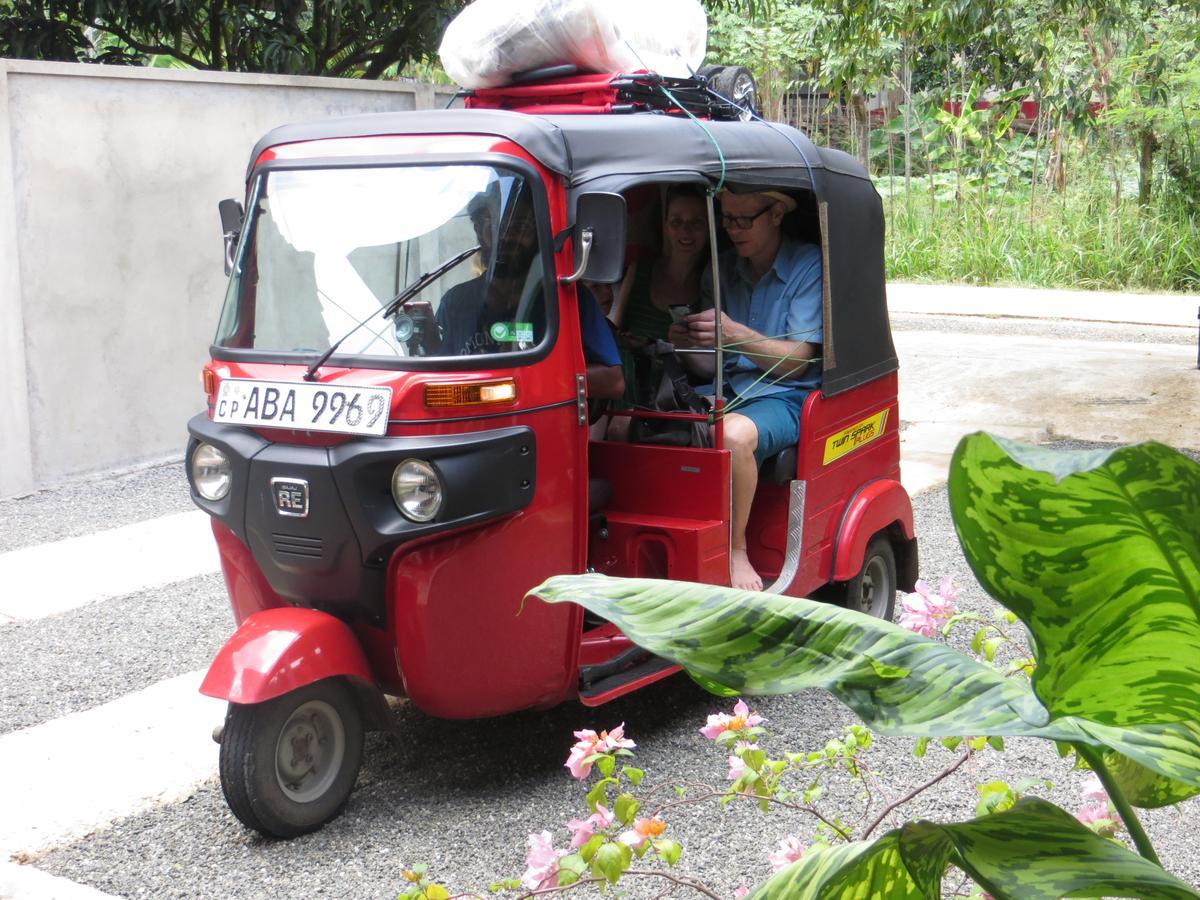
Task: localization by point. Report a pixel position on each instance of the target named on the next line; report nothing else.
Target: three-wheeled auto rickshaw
(382, 501)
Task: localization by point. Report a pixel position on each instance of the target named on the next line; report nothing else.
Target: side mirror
(231, 228)
(599, 238)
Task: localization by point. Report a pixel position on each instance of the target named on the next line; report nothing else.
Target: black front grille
(298, 545)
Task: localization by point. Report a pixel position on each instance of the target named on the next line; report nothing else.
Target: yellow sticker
(838, 445)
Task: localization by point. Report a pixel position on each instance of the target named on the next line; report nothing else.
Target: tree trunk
(861, 120)
(1147, 144)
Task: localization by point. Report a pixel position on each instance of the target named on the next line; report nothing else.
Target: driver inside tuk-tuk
(771, 326)
(469, 312)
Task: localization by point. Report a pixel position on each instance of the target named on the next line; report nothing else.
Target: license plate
(343, 408)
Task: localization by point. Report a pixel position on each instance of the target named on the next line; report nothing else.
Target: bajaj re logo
(291, 496)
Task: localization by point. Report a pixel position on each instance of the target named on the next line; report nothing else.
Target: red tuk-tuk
(383, 502)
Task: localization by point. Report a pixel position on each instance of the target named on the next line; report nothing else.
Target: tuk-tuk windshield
(329, 248)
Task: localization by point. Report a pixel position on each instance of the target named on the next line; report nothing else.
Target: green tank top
(642, 317)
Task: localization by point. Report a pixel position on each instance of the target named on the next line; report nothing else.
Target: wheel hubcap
(873, 599)
(310, 750)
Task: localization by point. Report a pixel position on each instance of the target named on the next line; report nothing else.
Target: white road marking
(28, 883)
(65, 778)
(46, 579)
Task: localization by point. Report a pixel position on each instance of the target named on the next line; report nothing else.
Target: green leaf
(626, 809)
(610, 861)
(668, 850)
(606, 764)
(758, 643)
(635, 776)
(1098, 553)
(1145, 788)
(1034, 851)
(436, 892)
(920, 747)
(588, 850)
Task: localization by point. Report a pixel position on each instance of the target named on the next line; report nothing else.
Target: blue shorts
(776, 417)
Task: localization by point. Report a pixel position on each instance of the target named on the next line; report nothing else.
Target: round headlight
(211, 472)
(417, 490)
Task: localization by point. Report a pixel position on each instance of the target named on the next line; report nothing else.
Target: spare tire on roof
(735, 84)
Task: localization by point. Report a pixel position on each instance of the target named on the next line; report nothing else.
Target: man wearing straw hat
(771, 328)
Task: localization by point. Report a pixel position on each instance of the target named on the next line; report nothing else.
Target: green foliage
(1034, 851)
(360, 38)
(1096, 553)
(1079, 239)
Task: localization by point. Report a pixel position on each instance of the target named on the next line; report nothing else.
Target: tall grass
(1081, 238)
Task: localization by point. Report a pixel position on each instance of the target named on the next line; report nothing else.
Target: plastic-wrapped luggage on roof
(492, 40)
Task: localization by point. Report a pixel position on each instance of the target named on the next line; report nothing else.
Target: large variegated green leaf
(1030, 852)
(757, 643)
(897, 682)
(1099, 555)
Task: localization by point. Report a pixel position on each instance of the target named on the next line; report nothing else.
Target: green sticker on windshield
(512, 332)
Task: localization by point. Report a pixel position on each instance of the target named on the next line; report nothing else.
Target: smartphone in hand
(679, 312)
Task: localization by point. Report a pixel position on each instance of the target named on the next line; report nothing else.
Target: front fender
(279, 650)
(874, 508)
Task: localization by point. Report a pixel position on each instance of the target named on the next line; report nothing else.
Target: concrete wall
(110, 252)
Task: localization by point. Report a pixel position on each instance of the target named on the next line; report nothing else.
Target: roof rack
(562, 90)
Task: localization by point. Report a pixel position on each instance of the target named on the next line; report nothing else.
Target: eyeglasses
(741, 223)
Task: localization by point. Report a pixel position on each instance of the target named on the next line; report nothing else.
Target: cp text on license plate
(343, 408)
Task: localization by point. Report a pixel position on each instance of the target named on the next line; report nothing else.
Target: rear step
(601, 683)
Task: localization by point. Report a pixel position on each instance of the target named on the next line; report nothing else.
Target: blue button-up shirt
(784, 304)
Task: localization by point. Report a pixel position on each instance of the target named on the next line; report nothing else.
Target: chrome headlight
(417, 490)
(211, 472)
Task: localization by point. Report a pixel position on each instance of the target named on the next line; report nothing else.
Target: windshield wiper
(392, 306)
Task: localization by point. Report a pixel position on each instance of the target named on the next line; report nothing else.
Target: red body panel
(280, 650)
(876, 507)
(249, 592)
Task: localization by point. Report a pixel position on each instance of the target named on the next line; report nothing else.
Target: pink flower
(582, 830)
(1096, 812)
(1093, 791)
(741, 892)
(589, 744)
(719, 723)
(541, 862)
(737, 765)
(924, 612)
(790, 850)
(1098, 817)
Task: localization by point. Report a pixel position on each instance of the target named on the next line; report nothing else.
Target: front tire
(288, 764)
(873, 589)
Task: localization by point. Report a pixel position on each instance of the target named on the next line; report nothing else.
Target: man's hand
(702, 330)
(784, 358)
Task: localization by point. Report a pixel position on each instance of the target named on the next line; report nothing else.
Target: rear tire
(873, 589)
(288, 764)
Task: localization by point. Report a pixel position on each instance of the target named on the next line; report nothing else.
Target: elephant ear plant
(1098, 553)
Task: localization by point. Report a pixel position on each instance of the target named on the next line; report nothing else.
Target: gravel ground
(462, 796)
(1061, 328)
(75, 509)
(77, 660)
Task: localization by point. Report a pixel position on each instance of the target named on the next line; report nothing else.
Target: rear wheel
(288, 765)
(873, 589)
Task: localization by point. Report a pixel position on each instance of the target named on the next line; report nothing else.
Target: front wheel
(288, 764)
(873, 589)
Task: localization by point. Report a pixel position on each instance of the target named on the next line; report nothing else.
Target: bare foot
(742, 573)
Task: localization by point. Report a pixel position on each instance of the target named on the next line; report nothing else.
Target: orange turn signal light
(471, 393)
(208, 381)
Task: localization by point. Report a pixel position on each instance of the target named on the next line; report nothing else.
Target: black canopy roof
(613, 152)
